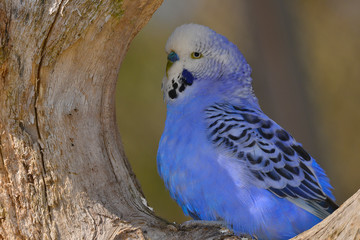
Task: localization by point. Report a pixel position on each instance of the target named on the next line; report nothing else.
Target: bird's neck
(194, 105)
(233, 89)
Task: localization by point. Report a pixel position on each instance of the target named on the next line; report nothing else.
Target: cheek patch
(188, 77)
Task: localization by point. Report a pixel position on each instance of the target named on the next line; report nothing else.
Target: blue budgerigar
(221, 157)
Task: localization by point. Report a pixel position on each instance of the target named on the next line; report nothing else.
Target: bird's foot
(219, 224)
(203, 223)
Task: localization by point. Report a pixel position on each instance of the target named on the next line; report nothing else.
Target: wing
(276, 161)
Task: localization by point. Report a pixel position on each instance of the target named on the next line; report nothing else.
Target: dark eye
(196, 55)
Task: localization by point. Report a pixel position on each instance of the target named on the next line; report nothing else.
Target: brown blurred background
(305, 57)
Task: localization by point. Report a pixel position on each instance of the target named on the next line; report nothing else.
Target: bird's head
(203, 62)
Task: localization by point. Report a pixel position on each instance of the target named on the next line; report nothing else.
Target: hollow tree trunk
(63, 172)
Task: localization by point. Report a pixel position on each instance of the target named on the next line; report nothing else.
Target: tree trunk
(63, 171)
(64, 174)
(344, 223)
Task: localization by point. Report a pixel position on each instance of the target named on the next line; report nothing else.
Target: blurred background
(305, 57)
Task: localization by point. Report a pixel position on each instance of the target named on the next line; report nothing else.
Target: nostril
(173, 57)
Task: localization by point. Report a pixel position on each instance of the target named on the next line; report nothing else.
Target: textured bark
(63, 172)
(343, 224)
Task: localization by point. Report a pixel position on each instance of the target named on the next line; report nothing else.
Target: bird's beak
(172, 57)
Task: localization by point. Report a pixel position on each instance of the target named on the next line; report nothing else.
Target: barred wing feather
(276, 161)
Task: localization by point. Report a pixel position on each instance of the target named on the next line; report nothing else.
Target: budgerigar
(220, 156)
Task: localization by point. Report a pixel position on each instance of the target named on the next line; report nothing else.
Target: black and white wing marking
(276, 161)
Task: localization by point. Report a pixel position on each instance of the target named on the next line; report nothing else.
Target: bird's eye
(196, 55)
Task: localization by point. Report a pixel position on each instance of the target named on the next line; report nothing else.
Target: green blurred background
(305, 57)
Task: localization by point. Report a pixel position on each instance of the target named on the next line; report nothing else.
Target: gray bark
(63, 171)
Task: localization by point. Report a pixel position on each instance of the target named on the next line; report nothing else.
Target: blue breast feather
(278, 183)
